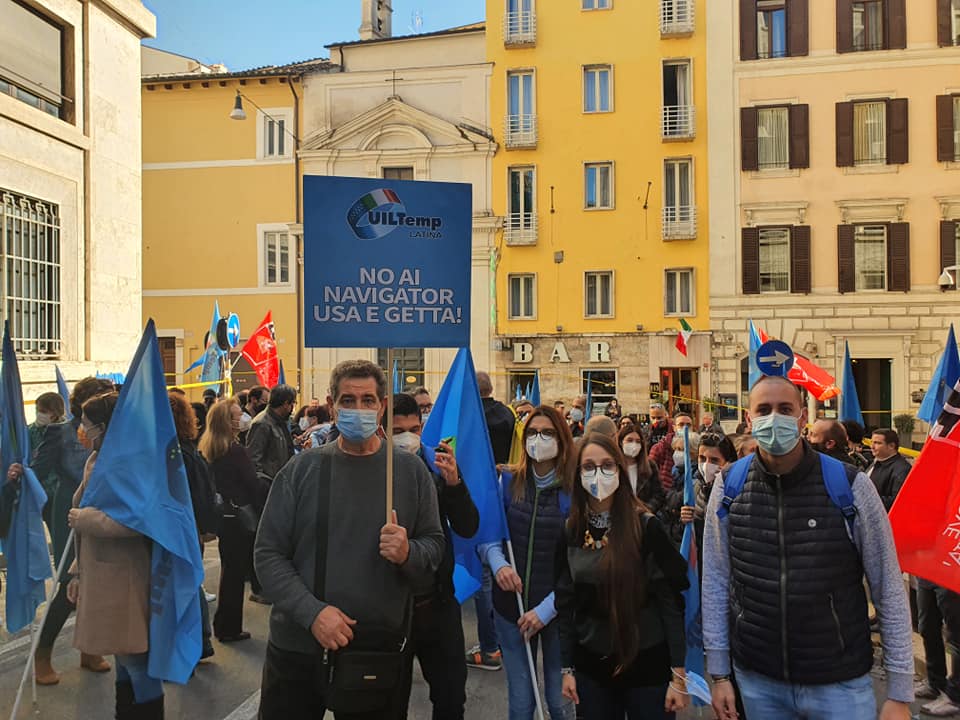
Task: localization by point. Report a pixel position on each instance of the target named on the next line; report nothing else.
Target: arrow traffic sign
(775, 358)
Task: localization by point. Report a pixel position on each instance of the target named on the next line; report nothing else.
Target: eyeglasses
(426, 408)
(711, 438)
(607, 467)
(543, 434)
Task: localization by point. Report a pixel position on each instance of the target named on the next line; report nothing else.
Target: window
(868, 25)
(600, 385)
(771, 29)
(276, 257)
(679, 215)
(677, 103)
(774, 260)
(597, 88)
(30, 274)
(598, 294)
(598, 186)
(398, 173)
(521, 289)
(870, 133)
(520, 226)
(678, 292)
(676, 17)
(410, 366)
(520, 383)
(870, 257)
(31, 58)
(275, 140)
(597, 4)
(773, 137)
(519, 23)
(521, 123)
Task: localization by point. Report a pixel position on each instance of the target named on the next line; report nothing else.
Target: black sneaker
(483, 660)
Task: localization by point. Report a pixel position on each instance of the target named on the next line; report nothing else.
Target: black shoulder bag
(366, 675)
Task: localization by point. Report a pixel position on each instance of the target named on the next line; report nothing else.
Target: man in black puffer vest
(783, 581)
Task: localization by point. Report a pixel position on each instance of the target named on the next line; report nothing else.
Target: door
(168, 355)
(681, 389)
(872, 378)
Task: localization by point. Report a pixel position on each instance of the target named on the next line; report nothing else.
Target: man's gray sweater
(359, 582)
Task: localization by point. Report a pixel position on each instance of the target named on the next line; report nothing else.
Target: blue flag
(25, 546)
(64, 392)
(397, 385)
(212, 367)
(588, 412)
(942, 382)
(755, 343)
(691, 596)
(849, 402)
(281, 375)
(140, 482)
(458, 413)
(535, 390)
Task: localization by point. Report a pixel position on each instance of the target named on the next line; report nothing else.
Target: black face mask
(819, 446)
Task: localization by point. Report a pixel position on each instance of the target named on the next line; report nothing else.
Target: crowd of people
(789, 522)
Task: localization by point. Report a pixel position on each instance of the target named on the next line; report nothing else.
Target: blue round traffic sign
(233, 330)
(775, 358)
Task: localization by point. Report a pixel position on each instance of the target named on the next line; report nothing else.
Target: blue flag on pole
(397, 385)
(535, 390)
(849, 402)
(281, 375)
(140, 482)
(212, 367)
(942, 382)
(25, 546)
(64, 391)
(755, 343)
(458, 413)
(588, 412)
(691, 596)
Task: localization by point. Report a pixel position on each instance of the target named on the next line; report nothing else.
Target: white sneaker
(941, 707)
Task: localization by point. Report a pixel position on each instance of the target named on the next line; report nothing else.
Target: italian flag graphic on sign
(685, 332)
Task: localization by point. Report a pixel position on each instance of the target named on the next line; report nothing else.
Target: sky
(243, 34)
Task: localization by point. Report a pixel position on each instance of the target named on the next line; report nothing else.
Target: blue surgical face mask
(357, 425)
(775, 433)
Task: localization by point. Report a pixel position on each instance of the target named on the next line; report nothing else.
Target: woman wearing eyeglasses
(536, 499)
(618, 598)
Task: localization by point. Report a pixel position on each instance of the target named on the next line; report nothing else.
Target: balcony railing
(520, 131)
(520, 28)
(679, 222)
(677, 17)
(678, 121)
(520, 229)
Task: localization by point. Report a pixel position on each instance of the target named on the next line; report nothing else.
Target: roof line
(459, 30)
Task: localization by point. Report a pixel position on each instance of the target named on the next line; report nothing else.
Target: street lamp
(946, 280)
(237, 113)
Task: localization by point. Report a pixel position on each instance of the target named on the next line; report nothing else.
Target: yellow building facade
(599, 107)
(221, 209)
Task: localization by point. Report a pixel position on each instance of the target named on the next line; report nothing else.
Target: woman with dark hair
(111, 584)
(244, 495)
(613, 410)
(537, 498)
(618, 598)
(716, 451)
(643, 473)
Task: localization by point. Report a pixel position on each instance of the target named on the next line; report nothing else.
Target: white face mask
(679, 458)
(632, 449)
(541, 449)
(598, 484)
(407, 441)
(709, 471)
(44, 419)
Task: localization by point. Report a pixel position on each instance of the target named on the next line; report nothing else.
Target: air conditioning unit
(499, 344)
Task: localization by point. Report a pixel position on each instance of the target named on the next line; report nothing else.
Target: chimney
(376, 19)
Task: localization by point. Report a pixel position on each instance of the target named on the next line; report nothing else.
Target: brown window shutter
(944, 24)
(844, 26)
(750, 258)
(749, 147)
(846, 263)
(845, 134)
(898, 135)
(948, 247)
(946, 152)
(798, 24)
(800, 259)
(748, 29)
(799, 136)
(898, 257)
(896, 24)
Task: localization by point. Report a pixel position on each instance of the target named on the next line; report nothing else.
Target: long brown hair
(564, 453)
(219, 435)
(643, 459)
(184, 417)
(624, 588)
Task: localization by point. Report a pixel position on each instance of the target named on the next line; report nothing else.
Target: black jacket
(500, 424)
(888, 475)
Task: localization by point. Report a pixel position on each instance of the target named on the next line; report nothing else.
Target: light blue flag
(140, 482)
(942, 382)
(755, 343)
(589, 410)
(212, 366)
(25, 546)
(458, 413)
(535, 390)
(849, 402)
(519, 393)
(281, 375)
(397, 385)
(526, 391)
(64, 391)
(114, 377)
(691, 596)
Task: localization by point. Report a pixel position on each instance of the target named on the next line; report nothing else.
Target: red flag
(261, 352)
(821, 384)
(926, 514)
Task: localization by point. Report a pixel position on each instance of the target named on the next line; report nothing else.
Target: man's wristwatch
(720, 678)
(568, 671)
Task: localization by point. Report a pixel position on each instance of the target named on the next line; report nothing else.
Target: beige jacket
(113, 564)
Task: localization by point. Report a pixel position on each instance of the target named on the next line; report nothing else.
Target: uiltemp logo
(380, 212)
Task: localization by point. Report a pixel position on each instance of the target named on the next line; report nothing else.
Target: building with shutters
(835, 187)
(70, 184)
(601, 187)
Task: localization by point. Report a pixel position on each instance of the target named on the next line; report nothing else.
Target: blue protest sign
(775, 358)
(233, 330)
(387, 263)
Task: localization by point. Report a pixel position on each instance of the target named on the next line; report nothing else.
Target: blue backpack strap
(838, 488)
(733, 481)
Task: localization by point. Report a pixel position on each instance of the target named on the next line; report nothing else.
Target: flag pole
(526, 641)
(389, 431)
(35, 637)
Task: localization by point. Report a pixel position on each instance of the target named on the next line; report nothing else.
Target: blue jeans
(483, 601)
(639, 703)
(764, 697)
(133, 669)
(522, 701)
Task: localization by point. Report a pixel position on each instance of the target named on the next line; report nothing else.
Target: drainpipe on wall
(87, 187)
(299, 220)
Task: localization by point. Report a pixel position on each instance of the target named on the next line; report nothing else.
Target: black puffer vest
(536, 525)
(798, 607)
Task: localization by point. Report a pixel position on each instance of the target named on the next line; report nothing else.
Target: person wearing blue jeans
(486, 655)
(764, 697)
(520, 695)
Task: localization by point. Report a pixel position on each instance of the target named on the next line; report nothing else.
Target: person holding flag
(620, 611)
